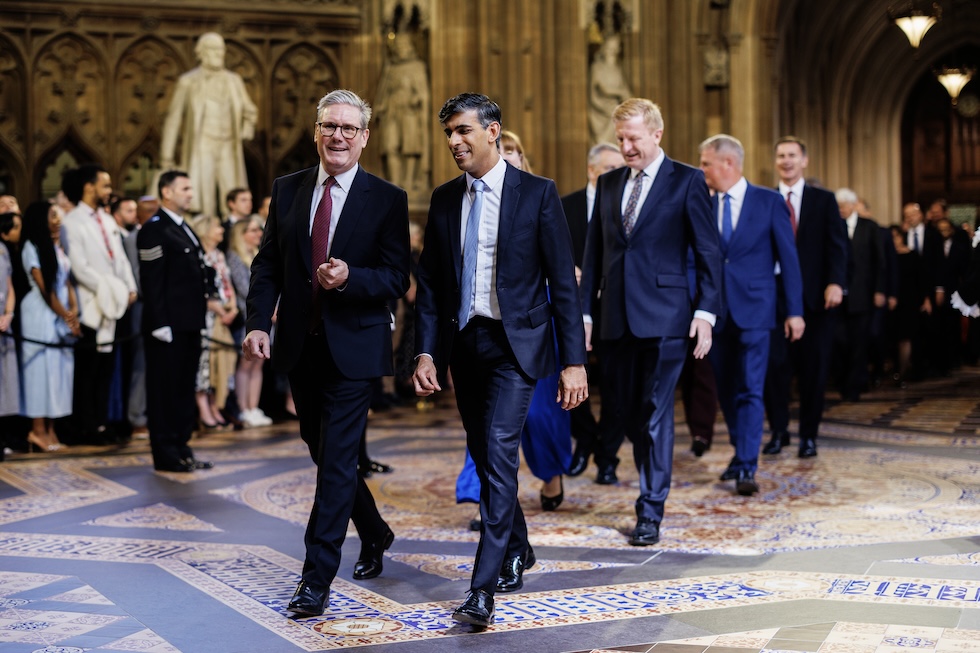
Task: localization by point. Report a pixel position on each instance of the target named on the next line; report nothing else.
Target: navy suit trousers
(493, 396)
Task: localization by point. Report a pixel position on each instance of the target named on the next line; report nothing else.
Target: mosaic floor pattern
(895, 490)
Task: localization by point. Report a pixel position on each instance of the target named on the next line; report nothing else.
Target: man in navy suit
(755, 235)
(646, 217)
(335, 251)
(496, 246)
(821, 244)
(578, 207)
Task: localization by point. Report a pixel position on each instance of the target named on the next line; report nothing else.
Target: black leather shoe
(198, 464)
(730, 473)
(745, 484)
(512, 572)
(179, 466)
(580, 460)
(699, 446)
(647, 532)
(808, 448)
(309, 601)
(476, 525)
(476, 610)
(779, 440)
(606, 476)
(371, 561)
(549, 504)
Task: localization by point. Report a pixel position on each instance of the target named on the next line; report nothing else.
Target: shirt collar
(738, 189)
(796, 189)
(173, 216)
(652, 169)
(344, 179)
(492, 179)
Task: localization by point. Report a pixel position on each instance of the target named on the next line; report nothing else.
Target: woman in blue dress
(49, 314)
(10, 226)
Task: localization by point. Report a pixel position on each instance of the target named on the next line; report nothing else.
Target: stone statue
(402, 107)
(211, 114)
(607, 89)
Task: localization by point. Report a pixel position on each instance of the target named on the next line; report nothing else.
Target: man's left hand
(332, 274)
(573, 386)
(793, 327)
(701, 329)
(833, 295)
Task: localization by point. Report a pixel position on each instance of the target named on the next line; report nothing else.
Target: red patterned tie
(319, 240)
(792, 211)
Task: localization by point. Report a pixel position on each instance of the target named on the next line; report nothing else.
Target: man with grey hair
(756, 233)
(865, 291)
(211, 114)
(347, 231)
(603, 158)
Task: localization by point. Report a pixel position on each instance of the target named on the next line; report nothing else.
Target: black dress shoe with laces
(745, 483)
(730, 473)
(309, 601)
(779, 440)
(371, 561)
(646, 533)
(606, 476)
(512, 572)
(476, 610)
(808, 448)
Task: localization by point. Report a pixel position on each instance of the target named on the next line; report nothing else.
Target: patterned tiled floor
(872, 547)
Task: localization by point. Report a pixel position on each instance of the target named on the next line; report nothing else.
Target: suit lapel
(302, 204)
(509, 201)
(455, 225)
(660, 184)
(618, 187)
(350, 216)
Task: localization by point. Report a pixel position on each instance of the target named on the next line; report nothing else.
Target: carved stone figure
(211, 114)
(607, 88)
(402, 106)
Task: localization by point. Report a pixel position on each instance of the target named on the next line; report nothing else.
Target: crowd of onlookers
(71, 361)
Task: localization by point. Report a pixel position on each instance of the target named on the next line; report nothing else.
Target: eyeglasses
(328, 129)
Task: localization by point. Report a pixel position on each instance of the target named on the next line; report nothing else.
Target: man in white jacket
(106, 288)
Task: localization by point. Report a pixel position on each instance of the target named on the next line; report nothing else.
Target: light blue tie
(726, 219)
(468, 276)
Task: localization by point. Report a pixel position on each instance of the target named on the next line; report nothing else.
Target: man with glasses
(335, 250)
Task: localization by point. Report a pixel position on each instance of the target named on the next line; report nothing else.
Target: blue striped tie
(468, 277)
(726, 220)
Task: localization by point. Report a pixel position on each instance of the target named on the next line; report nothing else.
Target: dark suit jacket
(575, 206)
(644, 279)
(173, 276)
(371, 237)
(533, 247)
(821, 242)
(763, 237)
(867, 267)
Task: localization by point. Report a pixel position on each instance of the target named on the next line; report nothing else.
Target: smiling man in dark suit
(755, 235)
(335, 250)
(646, 217)
(821, 245)
(495, 273)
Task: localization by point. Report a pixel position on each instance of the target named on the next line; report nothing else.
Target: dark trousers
(699, 395)
(493, 396)
(171, 410)
(643, 376)
(851, 345)
(93, 375)
(809, 357)
(611, 424)
(332, 411)
(739, 357)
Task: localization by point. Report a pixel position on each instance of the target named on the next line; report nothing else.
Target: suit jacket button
(187, 250)
(454, 320)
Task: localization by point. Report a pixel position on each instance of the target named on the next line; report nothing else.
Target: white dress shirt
(484, 301)
(852, 222)
(589, 201)
(797, 199)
